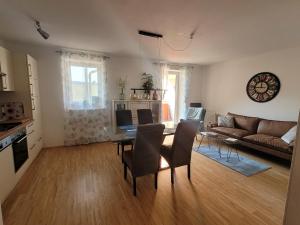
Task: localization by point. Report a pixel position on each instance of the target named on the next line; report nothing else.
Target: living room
(228, 67)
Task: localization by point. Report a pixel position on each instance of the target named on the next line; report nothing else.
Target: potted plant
(147, 80)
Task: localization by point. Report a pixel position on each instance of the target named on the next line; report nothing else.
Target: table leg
(200, 142)
(228, 153)
(237, 153)
(219, 148)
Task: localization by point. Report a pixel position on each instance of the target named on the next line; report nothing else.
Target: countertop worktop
(24, 122)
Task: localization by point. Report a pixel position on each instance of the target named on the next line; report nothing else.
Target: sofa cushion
(269, 141)
(225, 121)
(274, 128)
(231, 132)
(245, 122)
(290, 136)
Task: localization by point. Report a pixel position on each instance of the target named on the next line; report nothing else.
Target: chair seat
(128, 142)
(127, 156)
(165, 151)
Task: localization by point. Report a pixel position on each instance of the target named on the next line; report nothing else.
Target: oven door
(20, 151)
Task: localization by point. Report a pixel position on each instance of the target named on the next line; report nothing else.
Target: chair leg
(125, 171)
(172, 175)
(189, 171)
(155, 180)
(134, 185)
(122, 153)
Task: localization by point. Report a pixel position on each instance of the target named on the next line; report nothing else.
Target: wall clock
(263, 87)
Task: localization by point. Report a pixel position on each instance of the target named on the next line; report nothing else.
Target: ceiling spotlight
(43, 33)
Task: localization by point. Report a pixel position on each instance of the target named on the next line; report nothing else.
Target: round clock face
(263, 87)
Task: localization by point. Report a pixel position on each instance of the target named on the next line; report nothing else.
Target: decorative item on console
(122, 85)
(12, 111)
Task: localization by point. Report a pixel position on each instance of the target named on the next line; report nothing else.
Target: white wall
(51, 84)
(224, 85)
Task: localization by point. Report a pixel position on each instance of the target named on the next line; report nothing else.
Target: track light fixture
(160, 36)
(43, 33)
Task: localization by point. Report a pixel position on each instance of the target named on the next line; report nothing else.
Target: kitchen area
(20, 118)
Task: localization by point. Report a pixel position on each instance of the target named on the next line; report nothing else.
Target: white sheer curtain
(182, 94)
(185, 74)
(84, 85)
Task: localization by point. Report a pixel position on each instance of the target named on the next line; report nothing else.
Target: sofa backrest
(245, 122)
(274, 128)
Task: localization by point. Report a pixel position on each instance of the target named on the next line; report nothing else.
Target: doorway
(170, 99)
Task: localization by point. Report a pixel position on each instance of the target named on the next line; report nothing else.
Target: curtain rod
(173, 64)
(76, 51)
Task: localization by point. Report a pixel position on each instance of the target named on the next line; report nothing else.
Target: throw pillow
(290, 136)
(226, 121)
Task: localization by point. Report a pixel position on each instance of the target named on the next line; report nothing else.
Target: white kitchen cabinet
(34, 130)
(7, 175)
(6, 70)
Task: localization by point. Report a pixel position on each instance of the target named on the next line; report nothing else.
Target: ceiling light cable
(180, 50)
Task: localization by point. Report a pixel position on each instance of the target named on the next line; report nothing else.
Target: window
(85, 87)
(84, 83)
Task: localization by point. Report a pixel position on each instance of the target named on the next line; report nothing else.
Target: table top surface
(125, 133)
(221, 137)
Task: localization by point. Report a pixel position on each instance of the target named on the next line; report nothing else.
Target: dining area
(142, 149)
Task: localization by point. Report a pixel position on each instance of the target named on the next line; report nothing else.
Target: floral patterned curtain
(85, 98)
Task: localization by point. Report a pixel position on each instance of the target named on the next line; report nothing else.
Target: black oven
(20, 150)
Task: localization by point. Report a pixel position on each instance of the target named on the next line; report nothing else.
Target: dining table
(128, 133)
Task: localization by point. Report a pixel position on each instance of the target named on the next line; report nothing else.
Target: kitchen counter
(24, 122)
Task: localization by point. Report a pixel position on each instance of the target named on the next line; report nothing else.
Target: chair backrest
(144, 116)
(196, 104)
(146, 151)
(183, 143)
(123, 117)
(196, 113)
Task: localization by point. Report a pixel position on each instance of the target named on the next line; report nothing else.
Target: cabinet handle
(33, 105)
(31, 89)
(19, 141)
(29, 70)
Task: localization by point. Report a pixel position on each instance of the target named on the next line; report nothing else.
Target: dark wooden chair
(144, 159)
(124, 118)
(179, 154)
(144, 116)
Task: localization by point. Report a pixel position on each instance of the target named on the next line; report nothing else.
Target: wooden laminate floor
(84, 185)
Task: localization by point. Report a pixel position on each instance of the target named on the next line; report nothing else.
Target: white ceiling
(225, 29)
